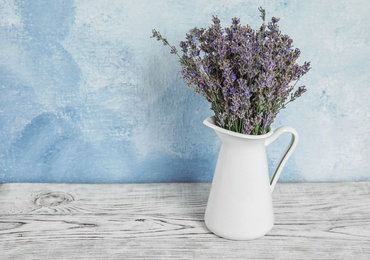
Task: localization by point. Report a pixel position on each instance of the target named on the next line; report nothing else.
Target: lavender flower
(247, 75)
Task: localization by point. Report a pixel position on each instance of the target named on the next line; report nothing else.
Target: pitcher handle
(287, 153)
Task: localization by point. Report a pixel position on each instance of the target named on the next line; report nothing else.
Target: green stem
(256, 129)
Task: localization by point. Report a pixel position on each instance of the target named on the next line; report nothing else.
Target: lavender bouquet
(247, 75)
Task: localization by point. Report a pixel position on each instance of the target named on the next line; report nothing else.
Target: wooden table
(165, 221)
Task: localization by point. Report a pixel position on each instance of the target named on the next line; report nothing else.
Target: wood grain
(165, 221)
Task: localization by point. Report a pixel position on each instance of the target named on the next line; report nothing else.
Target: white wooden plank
(165, 221)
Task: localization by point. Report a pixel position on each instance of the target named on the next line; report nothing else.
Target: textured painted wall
(87, 96)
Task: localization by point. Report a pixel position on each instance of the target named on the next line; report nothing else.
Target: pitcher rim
(210, 122)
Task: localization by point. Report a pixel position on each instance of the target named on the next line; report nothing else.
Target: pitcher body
(240, 202)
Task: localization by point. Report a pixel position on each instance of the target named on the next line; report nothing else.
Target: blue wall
(87, 96)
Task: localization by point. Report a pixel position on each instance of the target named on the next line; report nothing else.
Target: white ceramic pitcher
(240, 203)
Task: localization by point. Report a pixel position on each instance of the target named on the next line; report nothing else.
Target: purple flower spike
(236, 21)
(216, 20)
(274, 19)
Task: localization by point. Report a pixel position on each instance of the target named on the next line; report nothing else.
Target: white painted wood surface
(165, 221)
